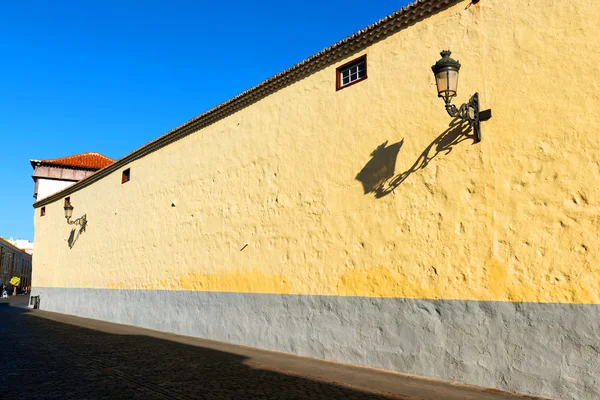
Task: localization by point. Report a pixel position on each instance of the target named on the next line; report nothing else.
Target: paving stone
(46, 359)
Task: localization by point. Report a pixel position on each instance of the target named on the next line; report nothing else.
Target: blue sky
(109, 76)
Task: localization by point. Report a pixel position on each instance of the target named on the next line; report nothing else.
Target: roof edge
(12, 246)
(402, 18)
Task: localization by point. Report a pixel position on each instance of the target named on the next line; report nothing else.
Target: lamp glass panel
(442, 82)
(447, 81)
(68, 212)
(453, 82)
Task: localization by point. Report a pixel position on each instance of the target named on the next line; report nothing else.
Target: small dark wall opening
(126, 175)
(67, 200)
(42, 211)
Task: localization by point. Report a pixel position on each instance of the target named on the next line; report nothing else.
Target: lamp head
(446, 76)
(68, 210)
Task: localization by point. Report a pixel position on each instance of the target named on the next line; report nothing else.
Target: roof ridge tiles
(87, 160)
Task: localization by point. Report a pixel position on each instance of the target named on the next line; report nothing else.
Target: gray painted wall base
(550, 350)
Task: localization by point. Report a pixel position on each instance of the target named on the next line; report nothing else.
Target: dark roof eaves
(349, 45)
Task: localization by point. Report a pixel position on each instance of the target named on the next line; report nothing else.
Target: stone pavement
(46, 355)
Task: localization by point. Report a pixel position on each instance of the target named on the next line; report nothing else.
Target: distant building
(23, 244)
(14, 262)
(51, 176)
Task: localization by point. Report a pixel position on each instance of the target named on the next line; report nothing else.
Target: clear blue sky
(109, 76)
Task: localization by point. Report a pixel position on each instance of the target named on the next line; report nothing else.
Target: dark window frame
(126, 176)
(338, 72)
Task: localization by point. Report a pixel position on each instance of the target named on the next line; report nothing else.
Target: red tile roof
(85, 160)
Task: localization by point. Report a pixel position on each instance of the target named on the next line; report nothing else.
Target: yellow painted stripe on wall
(493, 283)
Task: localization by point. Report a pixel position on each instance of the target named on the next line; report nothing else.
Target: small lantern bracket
(468, 112)
(79, 221)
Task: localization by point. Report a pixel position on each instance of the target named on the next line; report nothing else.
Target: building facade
(51, 176)
(14, 262)
(359, 222)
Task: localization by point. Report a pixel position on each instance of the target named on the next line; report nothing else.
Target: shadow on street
(45, 359)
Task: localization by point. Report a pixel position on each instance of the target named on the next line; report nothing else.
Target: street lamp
(69, 213)
(446, 79)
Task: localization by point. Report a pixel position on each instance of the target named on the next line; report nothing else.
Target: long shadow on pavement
(41, 358)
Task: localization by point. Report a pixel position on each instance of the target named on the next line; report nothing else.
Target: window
(126, 176)
(351, 73)
(67, 200)
(42, 211)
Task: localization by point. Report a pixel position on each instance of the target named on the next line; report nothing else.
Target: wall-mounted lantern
(446, 79)
(69, 213)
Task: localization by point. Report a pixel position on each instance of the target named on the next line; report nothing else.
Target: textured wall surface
(372, 192)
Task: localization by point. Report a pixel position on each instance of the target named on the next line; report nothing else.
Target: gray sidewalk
(53, 356)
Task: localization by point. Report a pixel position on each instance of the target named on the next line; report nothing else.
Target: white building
(51, 176)
(23, 244)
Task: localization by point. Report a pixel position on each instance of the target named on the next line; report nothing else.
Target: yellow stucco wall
(515, 217)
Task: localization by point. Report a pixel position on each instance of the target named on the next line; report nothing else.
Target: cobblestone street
(53, 356)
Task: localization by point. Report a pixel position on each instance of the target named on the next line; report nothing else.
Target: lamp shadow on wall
(378, 175)
(74, 235)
